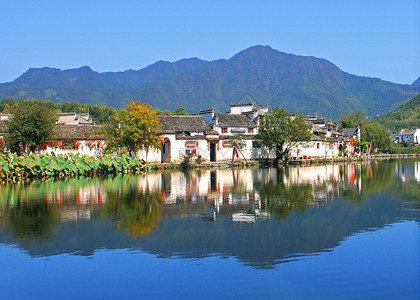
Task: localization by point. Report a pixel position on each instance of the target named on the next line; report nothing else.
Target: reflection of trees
(376, 177)
(281, 200)
(133, 210)
(31, 209)
(32, 218)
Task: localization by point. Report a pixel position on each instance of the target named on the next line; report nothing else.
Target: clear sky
(376, 38)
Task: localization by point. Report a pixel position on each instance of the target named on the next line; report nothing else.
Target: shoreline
(269, 162)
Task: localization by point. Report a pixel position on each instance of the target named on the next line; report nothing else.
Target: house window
(250, 130)
(255, 144)
(224, 130)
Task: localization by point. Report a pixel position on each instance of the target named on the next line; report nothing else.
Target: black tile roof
(349, 132)
(407, 132)
(77, 132)
(228, 120)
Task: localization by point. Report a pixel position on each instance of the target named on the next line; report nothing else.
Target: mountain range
(301, 84)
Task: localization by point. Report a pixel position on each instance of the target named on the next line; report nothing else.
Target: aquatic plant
(15, 168)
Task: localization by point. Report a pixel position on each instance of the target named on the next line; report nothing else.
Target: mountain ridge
(304, 84)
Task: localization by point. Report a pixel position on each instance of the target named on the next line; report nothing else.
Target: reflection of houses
(407, 173)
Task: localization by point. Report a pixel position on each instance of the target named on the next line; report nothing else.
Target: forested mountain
(417, 82)
(406, 116)
(300, 84)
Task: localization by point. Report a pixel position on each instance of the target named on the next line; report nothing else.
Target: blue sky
(369, 38)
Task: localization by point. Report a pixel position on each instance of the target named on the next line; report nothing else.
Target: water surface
(335, 231)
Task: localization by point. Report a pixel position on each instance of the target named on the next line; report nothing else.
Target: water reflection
(260, 216)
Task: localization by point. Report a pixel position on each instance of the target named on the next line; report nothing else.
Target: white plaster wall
(154, 155)
(83, 149)
(237, 110)
(229, 130)
(417, 136)
(325, 150)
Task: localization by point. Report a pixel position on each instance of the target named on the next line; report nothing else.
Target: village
(213, 137)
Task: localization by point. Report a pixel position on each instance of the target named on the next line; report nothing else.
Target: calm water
(326, 232)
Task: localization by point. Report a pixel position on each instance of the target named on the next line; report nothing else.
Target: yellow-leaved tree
(135, 128)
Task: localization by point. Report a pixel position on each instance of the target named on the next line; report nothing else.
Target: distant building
(72, 119)
(409, 136)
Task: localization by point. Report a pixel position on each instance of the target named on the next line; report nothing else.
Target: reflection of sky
(368, 265)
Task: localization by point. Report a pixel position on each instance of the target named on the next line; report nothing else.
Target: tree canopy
(283, 131)
(32, 124)
(134, 127)
(405, 116)
(352, 120)
(377, 134)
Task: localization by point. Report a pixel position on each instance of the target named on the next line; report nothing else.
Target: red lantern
(208, 145)
(46, 144)
(218, 146)
(223, 143)
(99, 143)
(163, 141)
(196, 143)
(60, 144)
(186, 143)
(24, 147)
(78, 144)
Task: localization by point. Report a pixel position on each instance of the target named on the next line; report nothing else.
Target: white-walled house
(409, 136)
(76, 139)
(182, 135)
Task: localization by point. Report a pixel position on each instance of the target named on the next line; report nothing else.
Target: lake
(316, 232)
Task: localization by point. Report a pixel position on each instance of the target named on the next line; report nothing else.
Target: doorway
(166, 151)
(212, 151)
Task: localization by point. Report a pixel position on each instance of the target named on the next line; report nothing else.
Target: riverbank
(32, 167)
(269, 162)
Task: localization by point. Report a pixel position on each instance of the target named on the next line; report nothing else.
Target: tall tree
(377, 135)
(134, 127)
(283, 132)
(352, 120)
(32, 124)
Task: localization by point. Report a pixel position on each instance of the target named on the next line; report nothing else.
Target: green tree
(32, 124)
(283, 132)
(134, 127)
(6, 102)
(99, 113)
(180, 111)
(352, 120)
(378, 135)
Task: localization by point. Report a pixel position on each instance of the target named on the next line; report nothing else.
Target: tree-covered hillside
(300, 84)
(406, 116)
